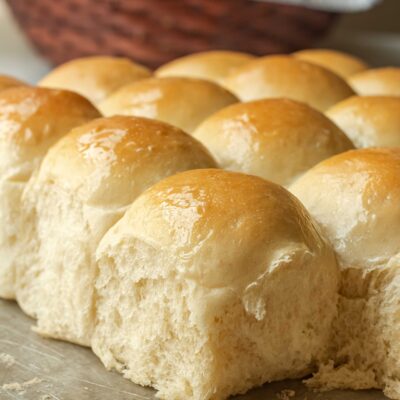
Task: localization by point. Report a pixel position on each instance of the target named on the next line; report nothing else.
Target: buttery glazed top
(355, 197)
(340, 63)
(110, 161)
(183, 102)
(221, 228)
(377, 82)
(276, 139)
(95, 77)
(33, 119)
(210, 65)
(8, 82)
(369, 121)
(287, 76)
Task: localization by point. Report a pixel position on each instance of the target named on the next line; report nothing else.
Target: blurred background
(36, 34)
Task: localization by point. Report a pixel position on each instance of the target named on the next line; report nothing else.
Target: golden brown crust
(355, 197)
(369, 121)
(286, 76)
(32, 119)
(277, 139)
(110, 160)
(8, 82)
(183, 102)
(340, 63)
(211, 65)
(34, 109)
(95, 77)
(377, 82)
(199, 214)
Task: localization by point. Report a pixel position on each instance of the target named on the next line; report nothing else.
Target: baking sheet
(35, 368)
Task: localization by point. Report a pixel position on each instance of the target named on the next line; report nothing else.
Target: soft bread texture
(183, 102)
(213, 282)
(211, 65)
(276, 139)
(31, 120)
(8, 82)
(83, 187)
(369, 121)
(377, 82)
(355, 197)
(340, 63)
(95, 77)
(287, 76)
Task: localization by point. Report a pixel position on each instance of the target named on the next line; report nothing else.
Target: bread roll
(340, 63)
(211, 65)
(183, 102)
(31, 120)
(369, 121)
(377, 82)
(355, 197)
(213, 282)
(84, 186)
(95, 77)
(286, 76)
(8, 82)
(277, 139)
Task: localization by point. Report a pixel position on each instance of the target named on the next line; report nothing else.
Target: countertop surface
(35, 368)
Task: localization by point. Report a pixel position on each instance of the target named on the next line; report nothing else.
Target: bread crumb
(286, 394)
(20, 387)
(7, 360)
(331, 377)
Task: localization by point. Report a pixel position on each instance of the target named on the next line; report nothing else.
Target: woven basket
(155, 31)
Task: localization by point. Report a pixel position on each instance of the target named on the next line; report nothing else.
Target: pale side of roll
(276, 139)
(377, 82)
(211, 65)
(355, 197)
(95, 77)
(7, 82)
(212, 283)
(85, 183)
(287, 76)
(31, 120)
(183, 102)
(369, 121)
(342, 64)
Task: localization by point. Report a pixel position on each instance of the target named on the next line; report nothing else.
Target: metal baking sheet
(35, 368)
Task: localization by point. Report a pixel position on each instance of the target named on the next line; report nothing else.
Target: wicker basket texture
(156, 31)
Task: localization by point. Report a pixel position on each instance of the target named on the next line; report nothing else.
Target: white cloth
(333, 5)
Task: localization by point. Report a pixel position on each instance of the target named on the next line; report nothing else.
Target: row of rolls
(223, 222)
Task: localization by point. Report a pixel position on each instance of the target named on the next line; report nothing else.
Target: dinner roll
(84, 186)
(340, 63)
(213, 282)
(8, 82)
(183, 102)
(369, 121)
(277, 139)
(95, 77)
(211, 65)
(377, 82)
(31, 120)
(355, 197)
(286, 76)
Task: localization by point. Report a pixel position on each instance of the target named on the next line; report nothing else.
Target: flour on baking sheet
(21, 387)
(7, 360)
